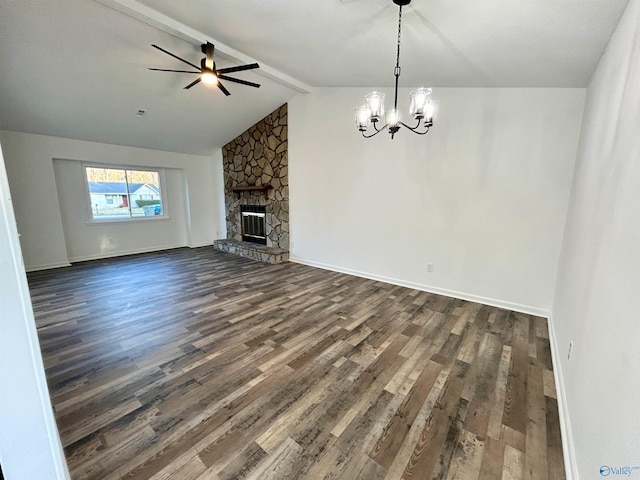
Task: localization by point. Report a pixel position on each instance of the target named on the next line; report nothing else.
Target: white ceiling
(78, 68)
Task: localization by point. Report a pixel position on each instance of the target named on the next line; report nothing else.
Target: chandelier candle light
(421, 106)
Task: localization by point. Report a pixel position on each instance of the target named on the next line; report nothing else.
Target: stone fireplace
(256, 189)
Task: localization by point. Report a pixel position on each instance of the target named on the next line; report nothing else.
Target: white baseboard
(568, 449)
(428, 288)
(98, 256)
(49, 266)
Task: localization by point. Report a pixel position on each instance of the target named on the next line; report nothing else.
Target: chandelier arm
(412, 128)
(415, 129)
(377, 131)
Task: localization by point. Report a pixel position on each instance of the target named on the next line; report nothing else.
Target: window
(123, 194)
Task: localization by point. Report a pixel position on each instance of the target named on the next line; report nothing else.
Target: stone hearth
(262, 253)
(256, 172)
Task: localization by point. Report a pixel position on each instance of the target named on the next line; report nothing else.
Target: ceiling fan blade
(209, 56)
(238, 69)
(224, 90)
(175, 56)
(192, 83)
(177, 71)
(237, 80)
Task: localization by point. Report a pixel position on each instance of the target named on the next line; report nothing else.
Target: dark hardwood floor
(194, 364)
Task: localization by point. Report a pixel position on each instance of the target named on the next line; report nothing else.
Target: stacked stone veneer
(259, 157)
(261, 253)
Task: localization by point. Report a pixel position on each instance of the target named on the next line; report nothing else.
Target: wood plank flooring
(195, 364)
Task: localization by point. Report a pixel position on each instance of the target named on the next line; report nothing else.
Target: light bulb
(209, 78)
(418, 100)
(431, 109)
(363, 116)
(393, 117)
(375, 104)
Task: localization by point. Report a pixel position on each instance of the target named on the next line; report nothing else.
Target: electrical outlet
(291, 244)
(570, 350)
(430, 267)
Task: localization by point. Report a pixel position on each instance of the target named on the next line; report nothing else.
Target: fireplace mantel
(253, 188)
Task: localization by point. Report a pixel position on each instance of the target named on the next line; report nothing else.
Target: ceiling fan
(207, 70)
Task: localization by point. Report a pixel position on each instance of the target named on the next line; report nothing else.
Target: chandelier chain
(399, 31)
(396, 71)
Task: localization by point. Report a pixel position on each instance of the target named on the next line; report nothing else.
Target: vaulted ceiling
(78, 68)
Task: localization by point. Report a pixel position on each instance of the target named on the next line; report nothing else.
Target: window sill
(111, 221)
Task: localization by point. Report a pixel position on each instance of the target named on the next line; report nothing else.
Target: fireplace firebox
(254, 226)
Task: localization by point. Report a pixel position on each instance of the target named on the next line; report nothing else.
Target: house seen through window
(120, 194)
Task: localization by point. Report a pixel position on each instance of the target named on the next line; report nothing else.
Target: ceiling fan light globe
(209, 78)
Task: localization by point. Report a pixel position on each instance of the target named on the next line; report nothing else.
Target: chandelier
(421, 106)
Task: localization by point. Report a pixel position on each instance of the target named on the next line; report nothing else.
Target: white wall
(29, 162)
(483, 197)
(29, 443)
(597, 299)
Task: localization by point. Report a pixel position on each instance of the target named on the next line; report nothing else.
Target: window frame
(163, 193)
